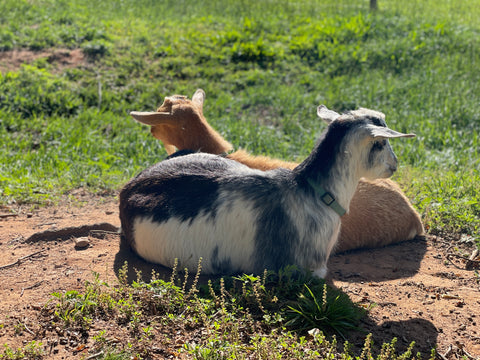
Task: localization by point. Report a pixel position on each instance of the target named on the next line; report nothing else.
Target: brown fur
(175, 128)
(379, 214)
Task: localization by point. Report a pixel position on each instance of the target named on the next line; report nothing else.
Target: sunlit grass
(265, 66)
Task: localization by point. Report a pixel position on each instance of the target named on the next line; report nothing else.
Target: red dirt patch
(418, 294)
(60, 58)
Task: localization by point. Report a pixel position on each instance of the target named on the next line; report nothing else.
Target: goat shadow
(373, 265)
(396, 261)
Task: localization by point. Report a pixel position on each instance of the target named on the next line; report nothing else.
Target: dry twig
(8, 215)
(94, 356)
(28, 330)
(470, 263)
(19, 260)
(30, 287)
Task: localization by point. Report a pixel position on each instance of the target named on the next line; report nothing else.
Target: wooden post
(373, 5)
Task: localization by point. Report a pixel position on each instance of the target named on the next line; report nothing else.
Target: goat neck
(204, 138)
(331, 166)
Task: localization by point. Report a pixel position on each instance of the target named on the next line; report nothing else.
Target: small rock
(82, 242)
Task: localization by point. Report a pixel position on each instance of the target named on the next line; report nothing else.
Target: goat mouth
(390, 171)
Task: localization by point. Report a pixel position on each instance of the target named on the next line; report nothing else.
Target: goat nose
(393, 168)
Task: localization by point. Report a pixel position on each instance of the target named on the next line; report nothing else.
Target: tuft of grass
(326, 312)
(242, 317)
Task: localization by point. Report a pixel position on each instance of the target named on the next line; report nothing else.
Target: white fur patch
(162, 243)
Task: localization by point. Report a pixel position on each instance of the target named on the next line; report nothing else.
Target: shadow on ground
(396, 261)
(372, 269)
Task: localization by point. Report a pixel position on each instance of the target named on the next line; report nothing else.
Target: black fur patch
(168, 190)
(180, 153)
(376, 121)
(275, 239)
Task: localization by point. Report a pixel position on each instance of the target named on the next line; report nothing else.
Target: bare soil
(59, 58)
(423, 290)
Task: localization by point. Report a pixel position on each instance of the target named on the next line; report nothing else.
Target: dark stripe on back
(180, 153)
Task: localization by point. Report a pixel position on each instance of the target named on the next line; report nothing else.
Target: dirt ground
(421, 290)
(59, 58)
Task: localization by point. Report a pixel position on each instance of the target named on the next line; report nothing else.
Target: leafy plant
(331, 311)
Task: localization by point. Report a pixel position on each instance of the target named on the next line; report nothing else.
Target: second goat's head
(179, 123)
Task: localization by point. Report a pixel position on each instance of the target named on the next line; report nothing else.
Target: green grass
(265, 67)
(33, 350)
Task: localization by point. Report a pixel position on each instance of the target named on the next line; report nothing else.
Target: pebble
(82, 242)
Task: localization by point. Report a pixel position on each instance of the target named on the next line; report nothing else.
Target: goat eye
(379, 144)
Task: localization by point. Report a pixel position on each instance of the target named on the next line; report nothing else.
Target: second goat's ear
(327, 115)
(199, 97)
(150, 118)
(379, 131)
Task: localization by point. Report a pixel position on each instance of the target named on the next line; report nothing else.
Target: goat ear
(199, 97)
(150, 118)
(379, 131)
(327, 115)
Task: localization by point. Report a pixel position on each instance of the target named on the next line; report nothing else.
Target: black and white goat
(243, 220)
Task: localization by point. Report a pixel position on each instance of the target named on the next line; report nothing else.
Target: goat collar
(327, 198)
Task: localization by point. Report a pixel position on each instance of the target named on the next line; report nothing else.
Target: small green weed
(33, 350)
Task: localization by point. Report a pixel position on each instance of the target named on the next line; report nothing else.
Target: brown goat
(379, 214)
